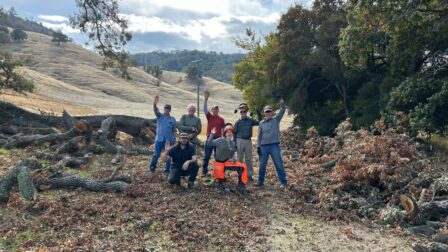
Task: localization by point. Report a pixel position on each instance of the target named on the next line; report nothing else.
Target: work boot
(284, 186)
(258, 184)
(190, 184)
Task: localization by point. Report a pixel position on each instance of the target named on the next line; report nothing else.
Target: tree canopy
(358, 59)
(9, 77)
(18, 35)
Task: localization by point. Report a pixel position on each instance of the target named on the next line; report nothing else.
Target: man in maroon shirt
(213, 121)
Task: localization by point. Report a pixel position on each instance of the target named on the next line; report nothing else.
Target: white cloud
(200, 24)
(63, 27)
(53, 18)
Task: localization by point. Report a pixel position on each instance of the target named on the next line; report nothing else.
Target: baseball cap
(267, 108)
(167, 106)
(184, 135)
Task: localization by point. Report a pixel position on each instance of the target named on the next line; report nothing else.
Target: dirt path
(289, 231)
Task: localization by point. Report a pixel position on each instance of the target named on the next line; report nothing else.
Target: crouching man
(226, 157)
(183, 161)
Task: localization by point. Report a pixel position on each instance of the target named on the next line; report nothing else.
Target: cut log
(22, 176)
(108, 147)
(70, 181)
(409, 205)
(21, 140)
(69, 121)
(73, 145)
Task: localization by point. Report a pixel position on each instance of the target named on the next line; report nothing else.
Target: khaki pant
(244, 151)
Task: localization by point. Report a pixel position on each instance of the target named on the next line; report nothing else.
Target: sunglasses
(269, 111)
(243, 112)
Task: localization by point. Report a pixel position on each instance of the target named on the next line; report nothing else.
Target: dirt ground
(153, 216)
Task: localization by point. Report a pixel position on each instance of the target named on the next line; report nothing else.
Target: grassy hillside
(69, 76)
(218, 66)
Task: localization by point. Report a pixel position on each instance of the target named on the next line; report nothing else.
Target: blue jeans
(274, 151)
(207, 154)
(159, 146)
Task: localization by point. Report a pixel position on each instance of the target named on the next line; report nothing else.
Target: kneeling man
(183, 161)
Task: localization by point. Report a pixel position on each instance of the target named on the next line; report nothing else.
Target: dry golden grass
(69, 76)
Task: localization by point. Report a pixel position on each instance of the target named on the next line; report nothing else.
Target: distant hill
(215, 65)
(9, 19)
(70, 76)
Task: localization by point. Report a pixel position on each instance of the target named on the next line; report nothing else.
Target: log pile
(375, 174)
(70, 143)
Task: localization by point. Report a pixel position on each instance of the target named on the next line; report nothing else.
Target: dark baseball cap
(167, 106)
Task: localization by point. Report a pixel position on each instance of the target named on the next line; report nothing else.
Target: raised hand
(167, 145)
(206, 94)
(156, 99)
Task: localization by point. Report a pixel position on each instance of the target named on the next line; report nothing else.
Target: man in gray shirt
(243, 133)
(190, 124)
(269, 144)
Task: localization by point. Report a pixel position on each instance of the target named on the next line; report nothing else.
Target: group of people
(231, 144)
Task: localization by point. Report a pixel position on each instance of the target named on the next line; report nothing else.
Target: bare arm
(154, 106)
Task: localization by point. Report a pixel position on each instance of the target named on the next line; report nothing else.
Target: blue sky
(170, 24)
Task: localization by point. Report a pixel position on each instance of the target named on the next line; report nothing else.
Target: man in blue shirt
(165, 133)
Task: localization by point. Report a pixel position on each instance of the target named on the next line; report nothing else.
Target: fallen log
(22, 176)
(108, 147)
(21, 140)
(70, 181)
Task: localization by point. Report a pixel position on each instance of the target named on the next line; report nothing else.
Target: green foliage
(193, 73)
(100, 20)
(424, 99)
(9, 78)
(405, 35)
(16, 22)
(154, 70)
(60, 37)
(251, 75)
(218, 66)
(18, 35)
(4, 34)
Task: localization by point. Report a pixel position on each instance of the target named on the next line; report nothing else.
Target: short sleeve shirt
(179, 155)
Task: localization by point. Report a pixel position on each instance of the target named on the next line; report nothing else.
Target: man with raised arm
(183, 161)
(165, 133)
(269, 144)
(213, 121)
(190, 124)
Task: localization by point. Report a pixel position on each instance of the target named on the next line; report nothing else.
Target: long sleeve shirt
(186, 124)
(269, 130)
(225, 150)
(166, 127)
(243, 127)
(213, 121)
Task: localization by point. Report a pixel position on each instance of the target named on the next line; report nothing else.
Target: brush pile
(377, 175)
